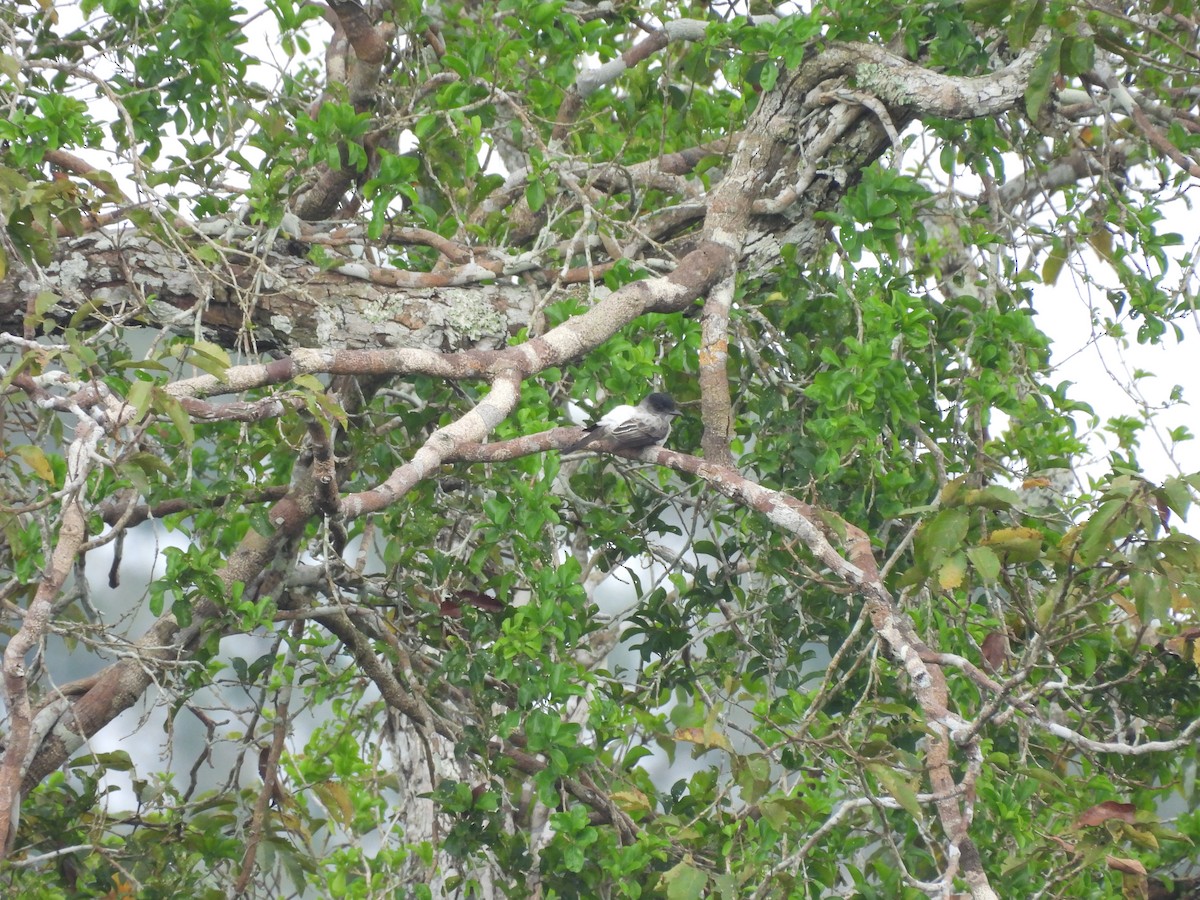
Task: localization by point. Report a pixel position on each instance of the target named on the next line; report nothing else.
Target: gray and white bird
(631, 427)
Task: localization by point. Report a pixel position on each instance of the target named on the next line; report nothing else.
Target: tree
(323, 318)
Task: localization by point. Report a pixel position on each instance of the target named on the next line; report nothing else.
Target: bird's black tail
(590, 435)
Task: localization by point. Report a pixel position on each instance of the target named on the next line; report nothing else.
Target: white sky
(1102, 369)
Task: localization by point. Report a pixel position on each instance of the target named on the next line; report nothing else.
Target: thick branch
(360, 73)
(287, 300)
(901, 84)
(575, 337)
(21, 744)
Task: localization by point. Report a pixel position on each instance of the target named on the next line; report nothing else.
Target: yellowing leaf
(148, 464)
(36, 460)
(705, 737)
(776, 813)
(1126, 606)
(1053, 264)
(1140, 836)
(336, 799)
(1044, 610)
(214, 351)
(952, 572)
(1019, 544)
(1101, 242)
(949, 494)
(631, 801)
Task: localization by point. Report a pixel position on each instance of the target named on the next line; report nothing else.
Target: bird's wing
(639, 431)
(601, 427)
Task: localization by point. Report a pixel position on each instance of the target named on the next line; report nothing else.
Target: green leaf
(986, 563)
(148, 365)
(993, 496)
(899, 788)
(1176, 495)
(164, 402)
(1041, 79)
(181, 609)
(150, 464)
(1106, 525)
(323, 406)
(139, 397)
(1026, 19)
(1151, 596)
(85, 311)
(113, 760)
(768, 75)
(753, 775)
(941, 536)
(1078, 55)
(535, 195)
(309, 383)
(207, 357)
(684, 881)
(44, 302)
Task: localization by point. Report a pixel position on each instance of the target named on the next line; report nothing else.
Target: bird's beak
(676, 412)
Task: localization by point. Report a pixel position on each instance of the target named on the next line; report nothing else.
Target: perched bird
(631, 427)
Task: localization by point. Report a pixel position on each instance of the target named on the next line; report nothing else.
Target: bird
(632, 427)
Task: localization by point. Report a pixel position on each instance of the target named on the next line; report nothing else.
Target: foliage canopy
(295, 305)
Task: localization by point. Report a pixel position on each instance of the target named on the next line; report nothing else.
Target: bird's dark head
(662, 404)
